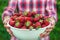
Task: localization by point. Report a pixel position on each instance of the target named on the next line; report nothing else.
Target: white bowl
(26, 34)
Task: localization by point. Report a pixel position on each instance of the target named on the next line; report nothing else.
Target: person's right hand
(6, 19)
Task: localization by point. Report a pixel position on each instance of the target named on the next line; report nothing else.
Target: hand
(49, 29)
(6, 19)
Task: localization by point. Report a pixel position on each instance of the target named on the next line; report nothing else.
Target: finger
(48, 30)
(51, 27)
(41, 35)
(4, 22)
(46, 34)
(10, 32)
(6, 26)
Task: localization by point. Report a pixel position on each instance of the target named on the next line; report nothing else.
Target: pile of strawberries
(28, 20)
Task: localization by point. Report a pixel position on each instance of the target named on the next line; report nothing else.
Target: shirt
(44, 7)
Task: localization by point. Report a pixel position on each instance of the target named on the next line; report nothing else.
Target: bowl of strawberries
(28, 25)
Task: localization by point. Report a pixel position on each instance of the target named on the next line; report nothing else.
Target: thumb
(6, 26)
(10, 32)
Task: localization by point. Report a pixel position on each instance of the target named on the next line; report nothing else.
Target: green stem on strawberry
(38, 27)
(17, 23)
(37, 15)
(40, 20)
(31, 27)
(25, 13)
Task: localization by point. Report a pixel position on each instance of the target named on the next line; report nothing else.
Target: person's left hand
(49, 29)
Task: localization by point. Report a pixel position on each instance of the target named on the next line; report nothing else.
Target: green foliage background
(54, 35)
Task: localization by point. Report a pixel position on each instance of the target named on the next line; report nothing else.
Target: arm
(9, 10)
(51, 8)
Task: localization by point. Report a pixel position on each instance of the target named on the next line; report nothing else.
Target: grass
(4, 35)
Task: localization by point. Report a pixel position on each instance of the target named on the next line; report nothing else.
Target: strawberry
(29, 18)
(12, 18)
(29, 14)
(42, 26)
(22, 19)
(12, 23)
(34, 25)
(46, 22)
(28, 23)
(22, 16)
(36, 19)
(38, 24)
(26, 18)
(40, 16)
(34, 13)
(23, 27)
(16, 18)
(18, 25)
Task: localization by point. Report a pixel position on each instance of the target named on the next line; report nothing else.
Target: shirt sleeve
(51, 8)
(9, 10)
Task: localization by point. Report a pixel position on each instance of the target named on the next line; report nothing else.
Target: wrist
(6, 19)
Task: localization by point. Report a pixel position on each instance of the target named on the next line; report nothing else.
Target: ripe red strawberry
(38, 24)
(29, 14)
(28, 18)
(34, 13)
(36, 19)
(40, 16)
(18, 25)
(43, 25)
(12, 23)
(23, 27)
(22, 19)
(22, 16)
(34, 25)
(12, 18)
(16, 18)
(28, 23)
(46, 22)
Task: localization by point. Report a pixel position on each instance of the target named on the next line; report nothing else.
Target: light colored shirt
(44, 7)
